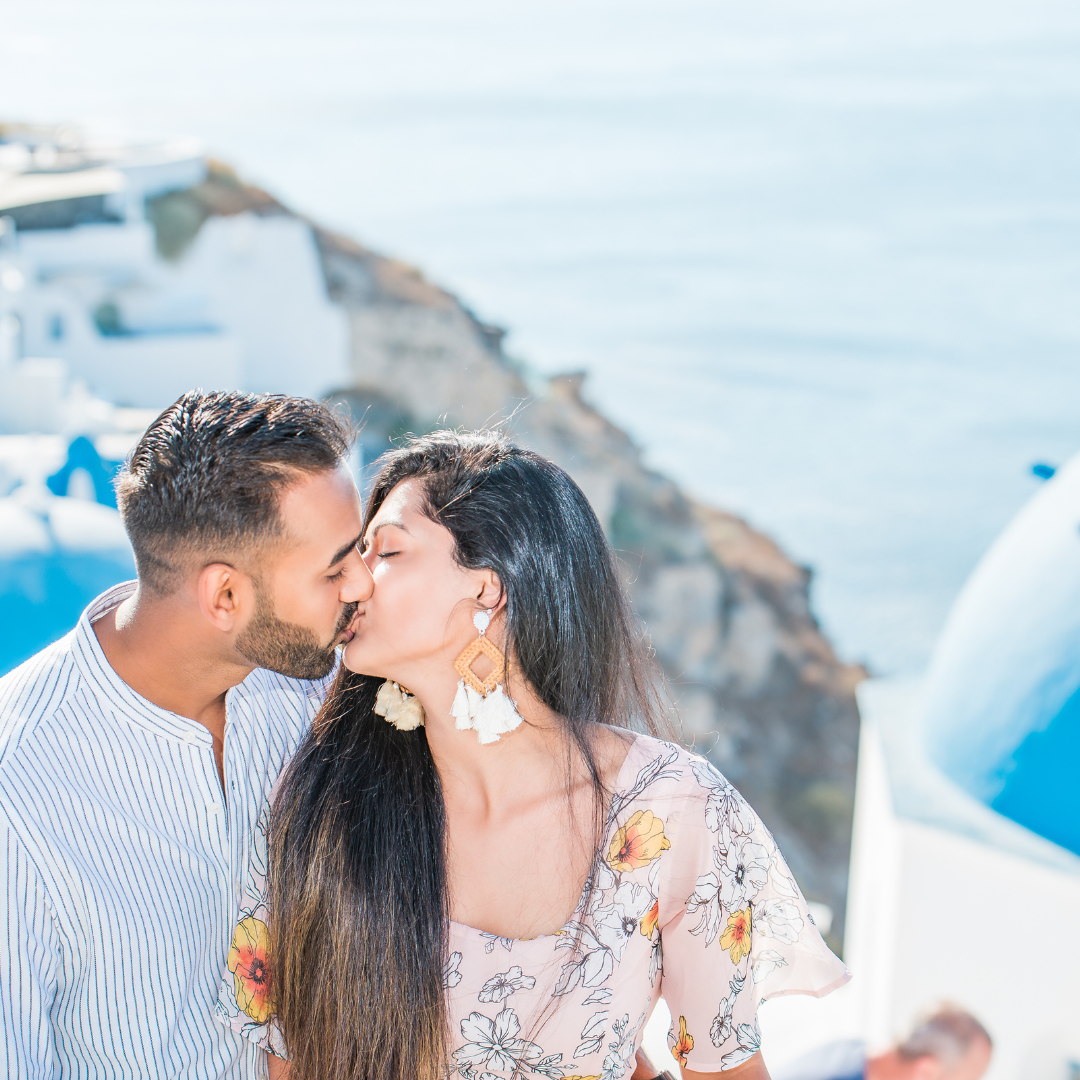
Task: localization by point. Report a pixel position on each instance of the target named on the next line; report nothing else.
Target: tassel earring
(481, 705)
(400, 708)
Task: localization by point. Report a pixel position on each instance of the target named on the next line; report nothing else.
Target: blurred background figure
(950, 1044)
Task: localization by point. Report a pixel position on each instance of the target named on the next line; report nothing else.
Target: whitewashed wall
(939, 915)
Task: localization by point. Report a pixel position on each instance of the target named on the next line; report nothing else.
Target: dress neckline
(617, 787)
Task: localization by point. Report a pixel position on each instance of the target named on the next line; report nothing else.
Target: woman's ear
(491, 596)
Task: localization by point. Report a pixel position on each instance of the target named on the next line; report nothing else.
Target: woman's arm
(754, 1069)
(277, 1068)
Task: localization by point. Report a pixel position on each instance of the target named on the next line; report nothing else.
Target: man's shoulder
(31, 694)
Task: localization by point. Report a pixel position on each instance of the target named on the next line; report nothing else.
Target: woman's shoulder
(656, 764)
(684, 792)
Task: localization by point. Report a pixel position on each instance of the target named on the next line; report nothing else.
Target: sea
(821, 258)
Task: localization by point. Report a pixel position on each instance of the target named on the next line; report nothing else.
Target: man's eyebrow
(344, 550)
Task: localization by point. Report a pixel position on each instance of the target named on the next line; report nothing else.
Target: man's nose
(358, 582)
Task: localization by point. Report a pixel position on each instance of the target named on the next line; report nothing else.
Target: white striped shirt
(125, 864)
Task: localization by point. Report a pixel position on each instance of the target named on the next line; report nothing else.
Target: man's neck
(160, 647)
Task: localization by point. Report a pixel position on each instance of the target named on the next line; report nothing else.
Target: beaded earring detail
(400, 708)
(480, 705)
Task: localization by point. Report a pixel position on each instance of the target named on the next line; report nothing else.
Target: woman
(476, 869)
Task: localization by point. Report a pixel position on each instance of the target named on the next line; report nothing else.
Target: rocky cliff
(756, 685)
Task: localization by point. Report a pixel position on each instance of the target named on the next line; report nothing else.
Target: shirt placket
(233, 815)
(216, 817)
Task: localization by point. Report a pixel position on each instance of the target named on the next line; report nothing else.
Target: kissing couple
(345, 792)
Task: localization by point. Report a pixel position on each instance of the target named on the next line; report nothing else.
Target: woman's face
(419, 615)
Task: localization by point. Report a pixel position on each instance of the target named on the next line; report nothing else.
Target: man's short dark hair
(204, 482)
(947, 1035)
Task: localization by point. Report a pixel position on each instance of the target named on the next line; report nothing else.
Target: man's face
(308, 589)
(973, 1064)
(970, 1067)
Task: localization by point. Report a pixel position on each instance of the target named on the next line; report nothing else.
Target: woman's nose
(358, 582)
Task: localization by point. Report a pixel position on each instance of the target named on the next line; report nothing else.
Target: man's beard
(284, 647)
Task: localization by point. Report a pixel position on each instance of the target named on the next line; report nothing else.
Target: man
(136, 751)
(948, 1045)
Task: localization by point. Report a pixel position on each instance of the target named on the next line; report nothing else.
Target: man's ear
(226, 596)
(491, 594)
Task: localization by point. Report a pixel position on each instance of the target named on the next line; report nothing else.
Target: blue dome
(56, 555)
(1002, 708)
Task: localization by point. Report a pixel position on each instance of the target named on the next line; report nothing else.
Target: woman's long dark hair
(358, 883)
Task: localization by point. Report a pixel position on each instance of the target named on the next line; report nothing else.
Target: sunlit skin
(179, 651)
(499, 797)
(891, 1066)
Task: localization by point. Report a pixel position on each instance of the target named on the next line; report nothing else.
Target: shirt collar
(107, 686)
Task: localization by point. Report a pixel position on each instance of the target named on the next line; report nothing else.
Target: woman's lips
(350, 631)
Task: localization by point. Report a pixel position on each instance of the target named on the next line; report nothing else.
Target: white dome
(1000, 717)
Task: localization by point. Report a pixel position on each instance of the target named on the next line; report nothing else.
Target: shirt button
(214, 808)
(191, 738)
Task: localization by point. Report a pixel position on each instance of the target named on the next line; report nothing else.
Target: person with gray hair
(949, 1044)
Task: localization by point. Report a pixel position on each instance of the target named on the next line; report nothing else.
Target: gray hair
(946, 1035)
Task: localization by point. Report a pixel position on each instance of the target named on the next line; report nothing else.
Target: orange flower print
(638, 842)
(684, 1044)
(251, 971)
(649, 920)
(736, 938)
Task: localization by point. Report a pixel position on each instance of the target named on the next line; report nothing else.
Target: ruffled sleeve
(245, 995)
(735, 929)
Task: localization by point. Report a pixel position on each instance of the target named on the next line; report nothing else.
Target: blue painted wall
(43, 593)
(42, 597)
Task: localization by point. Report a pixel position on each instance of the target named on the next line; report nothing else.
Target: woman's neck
(523, 763)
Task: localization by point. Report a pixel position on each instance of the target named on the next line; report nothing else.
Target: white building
(245, 307)
(98, 333)
(965, 875)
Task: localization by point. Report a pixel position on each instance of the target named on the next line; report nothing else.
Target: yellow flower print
(736, 938)
(649, 920)
(684, 1044)
(638, 842)
(251, 971)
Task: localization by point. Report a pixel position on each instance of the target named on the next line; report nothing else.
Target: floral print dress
(690, 900)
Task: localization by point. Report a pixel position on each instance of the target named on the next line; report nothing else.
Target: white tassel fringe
(490, 716)
(404, 711)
